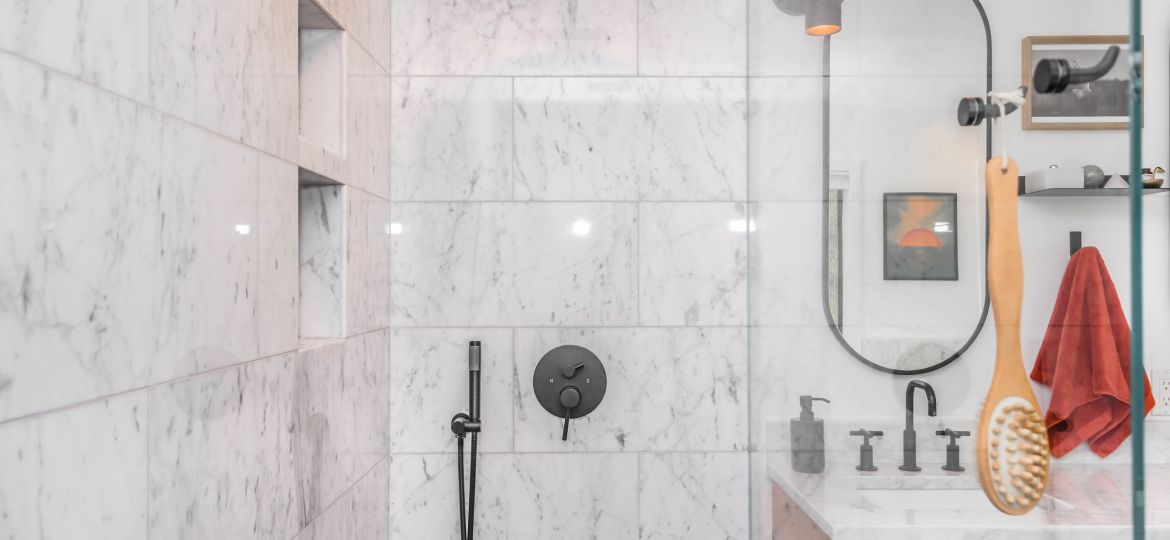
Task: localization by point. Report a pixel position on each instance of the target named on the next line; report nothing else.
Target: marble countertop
(1088, 501)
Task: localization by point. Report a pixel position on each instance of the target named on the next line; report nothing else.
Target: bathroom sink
(941, 499)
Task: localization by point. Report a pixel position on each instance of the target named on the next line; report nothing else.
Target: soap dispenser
(808, 438)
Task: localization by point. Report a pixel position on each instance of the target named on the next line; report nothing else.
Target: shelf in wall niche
(317, 161)
(321, 237)
(1085, 192)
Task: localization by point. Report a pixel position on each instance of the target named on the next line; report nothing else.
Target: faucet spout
(909, 437)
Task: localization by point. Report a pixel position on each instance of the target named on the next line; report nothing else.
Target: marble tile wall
(154, 382)
(567, 173)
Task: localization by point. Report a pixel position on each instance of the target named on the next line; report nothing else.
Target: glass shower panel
(873, 232)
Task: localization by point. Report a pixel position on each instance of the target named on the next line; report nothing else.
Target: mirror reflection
(905, 229)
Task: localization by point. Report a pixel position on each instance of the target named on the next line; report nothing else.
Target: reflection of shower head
(1054, 75)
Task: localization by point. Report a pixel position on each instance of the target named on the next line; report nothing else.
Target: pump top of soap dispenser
(806, 403)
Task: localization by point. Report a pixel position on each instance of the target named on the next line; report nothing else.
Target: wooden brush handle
(1005, 268)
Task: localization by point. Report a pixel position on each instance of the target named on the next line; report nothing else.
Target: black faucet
(909, 441)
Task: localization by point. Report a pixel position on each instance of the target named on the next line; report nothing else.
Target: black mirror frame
(826, 79)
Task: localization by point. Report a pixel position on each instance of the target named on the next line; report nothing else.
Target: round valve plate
(564, 367)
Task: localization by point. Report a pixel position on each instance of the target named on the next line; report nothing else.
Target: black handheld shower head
(1054, 75)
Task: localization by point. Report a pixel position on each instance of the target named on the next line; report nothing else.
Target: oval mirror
(905, 210)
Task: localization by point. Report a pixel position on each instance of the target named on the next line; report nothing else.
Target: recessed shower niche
(322, 257)
(321, 72)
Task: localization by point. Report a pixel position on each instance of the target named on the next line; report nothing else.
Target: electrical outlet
(1160, 383)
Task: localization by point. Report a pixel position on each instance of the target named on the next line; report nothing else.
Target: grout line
(513, 167)
(515, 391)
(166, 382)
(638, 37)
(638, 264)
(344, 492)
(166, 115)
(620, 76)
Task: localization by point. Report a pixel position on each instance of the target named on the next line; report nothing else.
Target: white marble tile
(229, 67)
(221, 454)
(342, 416)
(429, 379)
(523, 264)
(786, 265)
(692, 495)
(452, 138)
(367, 150)
(676, 287)
(433, 263)
(368, 21)
(77, 473)
(367, 264)
(692, 37)
(104, 45)
(77, 302)
(270, 77)
(497, 37)
(207, 301)
(786, 138)
(521, 497)
(322, 261)
(680, 389)
(681, 139)
(279, 281)
(362, 512)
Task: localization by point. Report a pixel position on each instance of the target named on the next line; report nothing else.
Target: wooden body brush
(1012, 449)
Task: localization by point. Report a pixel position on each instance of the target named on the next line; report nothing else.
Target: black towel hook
(1074, 242)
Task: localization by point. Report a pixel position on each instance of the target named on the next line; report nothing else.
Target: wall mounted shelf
(1083, 192)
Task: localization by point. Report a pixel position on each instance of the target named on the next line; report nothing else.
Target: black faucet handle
(954, 435)
(866, 433)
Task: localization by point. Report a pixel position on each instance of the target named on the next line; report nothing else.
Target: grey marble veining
(90, 221)
(670, 389)
(367, 152)
(342, 416)
(322, 261)
(1093, 504)
(496, 37)
(279, 277)
(367, 258)
(676, 287)
(103, 44)
(429, 377)
(207, 254)
(631, 139)
(78, 473)
(692, 37)
(452, 138)
(360, 513)
(227, 66)
(514, 264)
(693, 495)
(596, 497)
(221, 454)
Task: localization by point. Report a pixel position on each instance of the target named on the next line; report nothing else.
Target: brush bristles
(1018, 453)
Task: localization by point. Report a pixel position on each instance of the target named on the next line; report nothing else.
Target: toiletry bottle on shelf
(808, 438)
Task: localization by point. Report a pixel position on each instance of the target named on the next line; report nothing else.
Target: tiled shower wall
(152, 383)
(571, 172)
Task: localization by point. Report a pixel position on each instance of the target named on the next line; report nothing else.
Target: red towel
(1085, 359)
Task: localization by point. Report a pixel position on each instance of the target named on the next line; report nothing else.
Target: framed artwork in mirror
(920, 240)
(1100, 104)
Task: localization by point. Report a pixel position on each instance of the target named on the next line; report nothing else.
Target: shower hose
(467, 514)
